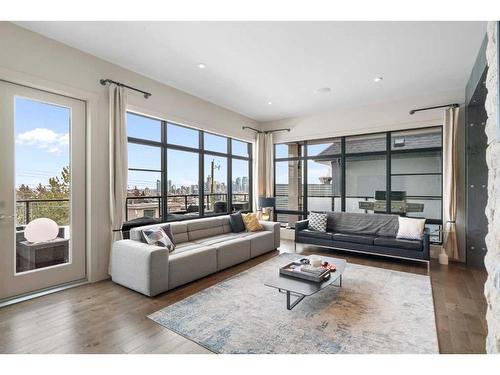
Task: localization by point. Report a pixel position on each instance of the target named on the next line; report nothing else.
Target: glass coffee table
(300, 288)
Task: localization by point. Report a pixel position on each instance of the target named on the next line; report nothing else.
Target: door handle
(5, 217)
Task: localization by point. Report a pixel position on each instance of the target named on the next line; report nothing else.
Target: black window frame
(389, 151)
(164, 145)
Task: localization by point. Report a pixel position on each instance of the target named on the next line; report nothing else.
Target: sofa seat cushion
(187, 266)
(213, 240)
(398, 243)
(354, 238)
(315, 234)
(231, 252)
(185, 246)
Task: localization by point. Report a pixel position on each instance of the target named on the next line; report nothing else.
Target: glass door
(42, 190)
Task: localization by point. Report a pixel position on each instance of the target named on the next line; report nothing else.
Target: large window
(289, 181)
(176, 172)
(391, 172)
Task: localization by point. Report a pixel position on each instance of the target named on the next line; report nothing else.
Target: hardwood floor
(107, 318)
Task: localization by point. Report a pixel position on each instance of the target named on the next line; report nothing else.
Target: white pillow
(411, 229)
(317, 221)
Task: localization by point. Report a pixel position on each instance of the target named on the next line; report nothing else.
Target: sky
(42, 134)
(182, 166)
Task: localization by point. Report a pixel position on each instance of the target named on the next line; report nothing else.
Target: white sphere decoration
(41, 230)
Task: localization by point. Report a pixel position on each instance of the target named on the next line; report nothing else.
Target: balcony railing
(30, 209)
(183, 204)
(59, 209)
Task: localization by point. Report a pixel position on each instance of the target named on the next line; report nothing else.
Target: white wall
(33, 60)
(363, 119)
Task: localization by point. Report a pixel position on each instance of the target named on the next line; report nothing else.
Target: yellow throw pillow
(251, 222)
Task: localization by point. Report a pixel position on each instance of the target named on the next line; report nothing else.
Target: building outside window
(176, 172)
(358, 174)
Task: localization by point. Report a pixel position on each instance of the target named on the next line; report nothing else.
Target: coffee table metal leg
(291, 305)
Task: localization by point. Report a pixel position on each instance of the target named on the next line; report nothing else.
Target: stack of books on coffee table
(305, 272)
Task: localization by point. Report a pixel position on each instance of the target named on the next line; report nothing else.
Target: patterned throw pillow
(157, 236)
(168, 232)
(411, 229)
(317, 221)
(251, 222)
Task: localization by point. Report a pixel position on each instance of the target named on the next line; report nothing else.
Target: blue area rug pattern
(376, 311)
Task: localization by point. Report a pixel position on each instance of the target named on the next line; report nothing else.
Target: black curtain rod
(105, 81)
(452, 105)
(266, 131)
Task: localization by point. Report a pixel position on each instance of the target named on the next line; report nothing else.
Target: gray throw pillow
(317, 221)
(236, 223)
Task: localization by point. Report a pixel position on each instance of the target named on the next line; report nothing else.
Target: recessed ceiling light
(378, 79)
(269, 103)
(324, 90)
(202, 65)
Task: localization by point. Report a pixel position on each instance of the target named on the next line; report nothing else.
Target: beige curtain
(450, 181)
(263, 167)
(118, 160)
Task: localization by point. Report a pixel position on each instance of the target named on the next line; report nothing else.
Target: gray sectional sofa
(203, 246)
(364, 233)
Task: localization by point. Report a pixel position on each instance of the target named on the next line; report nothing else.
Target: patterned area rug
(375, 311)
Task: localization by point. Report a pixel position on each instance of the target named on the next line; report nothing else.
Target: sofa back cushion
(178, 230)
(226, 224)
(202, 228)
(371, 224)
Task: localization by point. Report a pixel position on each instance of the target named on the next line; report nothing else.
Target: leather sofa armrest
(300, 225)
(426, 243)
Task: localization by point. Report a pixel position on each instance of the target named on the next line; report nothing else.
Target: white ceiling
(252, 63)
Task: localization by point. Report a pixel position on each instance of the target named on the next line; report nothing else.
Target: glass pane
(323, 184)
(416, 162)
(415, 139)
(424, 208)
(289, 185)
(288, 220)
(319, 204)
(240, 185)
(144, 157)
(239, 148)
(422, 185)
(435, 232)
(148, 207)
(215, 189)
(182, 136)
(324, 147)
(366, 143)
(365, 175)
(182, 184)
(214, 142)
(288, 150)
(363, 205)
(143, 184)
(42, 180)
(143, 127)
